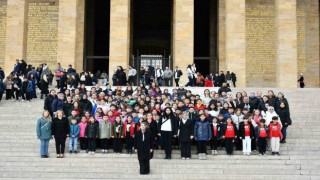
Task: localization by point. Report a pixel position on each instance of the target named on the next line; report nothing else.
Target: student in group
(60, 131)
(92, 133)
(262, 131)
(185, 134)
(202, 134)
(117, 135)
(246, 133)
(216, 130)
(229, 133)
(82, 137)
(74, 134)
(44, 133)
(275, 135)
(129, 130)
(105, 133)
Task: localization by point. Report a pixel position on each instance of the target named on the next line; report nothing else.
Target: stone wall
(308, 41)
(42, 31)
(260, 43)
(3, 19)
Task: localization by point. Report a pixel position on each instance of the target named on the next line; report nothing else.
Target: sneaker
(244, 153)
(22, 100)
(105, 151)
(248, 154)
(200, 156)
(273, 153)
(212, 152)
(204, 156)
(183, 158)
(93, 152)
(277, 153)
(102, 151)
(187, 158)
(75, 152)
(70, 152)
(216, 152)
(28, 101)
(260, 154)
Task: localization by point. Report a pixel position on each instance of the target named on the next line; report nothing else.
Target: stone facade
(267, 43)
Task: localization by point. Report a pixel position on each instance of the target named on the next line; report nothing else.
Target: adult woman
(206, 97)
(44, 86)
(58, 74)
(60, 131)
(33, 80)
(239, 98)
(190, 76)
(168, 127)
(280, 98)
(284, 115)
(44, 133)
(143, 145)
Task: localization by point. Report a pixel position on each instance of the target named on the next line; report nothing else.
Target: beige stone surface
(119, 35)
(3, 22)
(80, 34)
(222, 35)
(183, 30)
(15, 33)
(69, 23)
(235, 40)
(286, 23)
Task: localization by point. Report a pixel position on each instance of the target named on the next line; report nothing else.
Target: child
(92, 132)
(135, 117)
(73, 139)
(229, 134)
(129, 130)
(215, 136)
(202, 134)
(82, 138)
(262, 132)
(275, 135)
(117, 135)
(104, 133)
(246, 133)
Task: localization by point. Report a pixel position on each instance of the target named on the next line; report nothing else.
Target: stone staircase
(300, 156)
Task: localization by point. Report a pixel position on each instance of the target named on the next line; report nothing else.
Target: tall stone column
(183, 28)
(70, 33)
(119, 53)
(222, 35)
(15, 47)
(235, 39)
(286, 23)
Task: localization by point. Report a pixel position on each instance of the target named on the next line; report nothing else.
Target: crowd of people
(149, 118)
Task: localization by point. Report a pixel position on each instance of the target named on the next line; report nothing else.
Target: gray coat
(105, 130)
(44, 129)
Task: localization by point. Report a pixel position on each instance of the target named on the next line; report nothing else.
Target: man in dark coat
(185, 135)
(143, 142)
(49, 101)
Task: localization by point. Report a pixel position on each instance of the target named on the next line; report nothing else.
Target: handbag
(83, 78)
(58, 74)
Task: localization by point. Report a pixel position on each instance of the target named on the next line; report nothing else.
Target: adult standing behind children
(60, 131)
(44, 133)
(143, 145)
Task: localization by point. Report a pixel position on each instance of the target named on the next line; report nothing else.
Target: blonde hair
(49, 118)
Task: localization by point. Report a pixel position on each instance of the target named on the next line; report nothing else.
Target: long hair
(49, 118)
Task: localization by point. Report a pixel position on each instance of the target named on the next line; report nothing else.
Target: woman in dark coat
(185, 135)
(143, 142)
(153, 127)
(60, 131)
(44, 86)
(284, 115)
(121, 75)
(168, 127)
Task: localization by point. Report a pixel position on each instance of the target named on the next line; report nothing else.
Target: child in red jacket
(129, 130)
(275, 135)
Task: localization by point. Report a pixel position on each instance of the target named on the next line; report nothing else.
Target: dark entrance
(151, 32)
(97, 30)
(206, 35)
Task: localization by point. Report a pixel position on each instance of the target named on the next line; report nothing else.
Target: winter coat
(114, 127)
(48, 102)
(185, 130)
(8, 83)
(143, 147)
(85, 105)
(284, 115)
(43, 128)
(2, 86)
(60, 127)
(241, 131)
(28, 87)
(92, 130)
(174, 124)
(105, 130)
(57, 104)
(202, 131)
(153, 127)
(44, 87)
(208, 83)
(83, 127)
(74, 130)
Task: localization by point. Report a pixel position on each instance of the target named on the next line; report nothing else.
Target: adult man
(224, 88)
(70, 70)
(143, 145)
(131, 75)
(167, 74)
(177, 74)
(159, 75)
(58, 104)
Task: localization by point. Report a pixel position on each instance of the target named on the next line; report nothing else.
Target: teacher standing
(143, 145)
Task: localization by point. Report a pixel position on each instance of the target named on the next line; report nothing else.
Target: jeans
(73, 143)
(284, 132)
(44, 146)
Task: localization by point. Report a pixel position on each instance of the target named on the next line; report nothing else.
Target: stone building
(267, 43)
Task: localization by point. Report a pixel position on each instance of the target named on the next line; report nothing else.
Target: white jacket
(269, 116)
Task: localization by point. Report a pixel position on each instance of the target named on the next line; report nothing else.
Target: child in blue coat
(74, 134)
(202, 134)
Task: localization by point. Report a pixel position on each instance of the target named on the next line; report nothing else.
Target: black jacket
(254, 102)
(153, 127)
(185, 130)
(242, 131)
(143, 147)
(284, 115)
(60, 127)
(48, 103)
(57, 104)
(92, 130)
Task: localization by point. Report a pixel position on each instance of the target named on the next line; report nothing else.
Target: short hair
(262, 120)
(275, 118)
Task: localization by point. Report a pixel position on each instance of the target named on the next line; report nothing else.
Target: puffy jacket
(82, 126)
(92, 130)
(202, 131)
(74, 130)
(105, 130)
(43, 128)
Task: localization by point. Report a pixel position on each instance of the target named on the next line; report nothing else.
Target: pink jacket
(82, 129)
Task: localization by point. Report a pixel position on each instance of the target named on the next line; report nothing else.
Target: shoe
(273, 153)
(28, 101)
(169, 156)
(248, 154)
(75, 152)
(58, 155)
(62, 156)
(204, 156)
(87, 151)
(93, 152)
(22, 100)
(102, 151)
(106, 150)
(215, 152)
(212, 152)
(187, 158)
(183, 158)
(70, 152)
(200, 156)
(260, 154)
(277, 153)
(42, 156)
(244, 154)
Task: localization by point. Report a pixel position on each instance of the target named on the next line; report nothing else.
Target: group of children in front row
(202, 131)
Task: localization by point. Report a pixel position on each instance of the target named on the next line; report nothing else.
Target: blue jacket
(74, 130)
(202, 131)
(43, 129)
(57, 104)
(29, 87)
